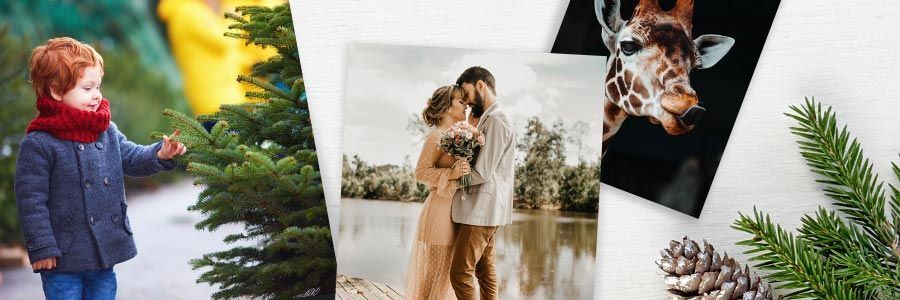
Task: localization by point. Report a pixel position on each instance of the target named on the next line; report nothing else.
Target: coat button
(115, 219)
(80, 147)
(29, 245)
(99, 145)
(106, 180)
(92, 220)
(87, 184)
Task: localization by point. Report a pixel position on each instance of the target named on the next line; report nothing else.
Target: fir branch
(852, 254)
(848, 174)
(186, 124)
(264, 85)
(795, 264)
(830, 258)
(895, 205)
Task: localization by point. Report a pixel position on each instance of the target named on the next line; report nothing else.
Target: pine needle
(832, 258)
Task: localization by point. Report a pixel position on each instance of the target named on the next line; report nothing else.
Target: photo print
(675, 80)
(515, 217)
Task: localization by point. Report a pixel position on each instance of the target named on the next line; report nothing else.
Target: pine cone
(701, 273)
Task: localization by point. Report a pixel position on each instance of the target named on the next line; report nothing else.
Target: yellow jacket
(251, 54)
(209, 61)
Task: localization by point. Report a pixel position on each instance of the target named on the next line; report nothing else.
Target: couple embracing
(454, 243)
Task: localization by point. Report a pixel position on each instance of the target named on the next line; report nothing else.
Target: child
(69, 175)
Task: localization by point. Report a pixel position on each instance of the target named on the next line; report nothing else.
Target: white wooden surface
(847, 54)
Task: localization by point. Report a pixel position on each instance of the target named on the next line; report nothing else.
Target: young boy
(69, 175)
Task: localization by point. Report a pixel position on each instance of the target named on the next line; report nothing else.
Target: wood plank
(375, 291)
(360, 289)
(389, 291)
(352, 288)
(347, 289)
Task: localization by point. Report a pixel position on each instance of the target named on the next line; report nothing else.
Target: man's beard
(478, 107)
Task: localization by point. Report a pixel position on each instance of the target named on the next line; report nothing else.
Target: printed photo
(191, 174)
(676, 77)
(469, 173)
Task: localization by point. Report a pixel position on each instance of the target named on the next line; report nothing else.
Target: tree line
(543, 180)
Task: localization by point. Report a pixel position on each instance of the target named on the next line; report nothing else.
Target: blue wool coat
(71, 197)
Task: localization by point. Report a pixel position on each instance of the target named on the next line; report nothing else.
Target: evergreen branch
(186, 124)
(895, 213)
(797, 266)
(870, 275)
(854, 256)
(242, 112)
(264, 85)
(895, 205)
(848, 174)
(829, 235)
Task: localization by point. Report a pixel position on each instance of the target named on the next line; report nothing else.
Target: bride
(428, 276)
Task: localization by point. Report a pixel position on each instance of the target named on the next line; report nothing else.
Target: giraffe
(651, 56)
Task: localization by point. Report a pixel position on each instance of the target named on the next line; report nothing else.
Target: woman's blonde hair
(439, 103)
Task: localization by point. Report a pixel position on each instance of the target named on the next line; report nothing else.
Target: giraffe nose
(692, 115)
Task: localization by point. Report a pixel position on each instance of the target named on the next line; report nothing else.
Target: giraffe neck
(613, 115)
(612, 120)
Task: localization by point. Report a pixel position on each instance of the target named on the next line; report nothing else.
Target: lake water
(543, 254)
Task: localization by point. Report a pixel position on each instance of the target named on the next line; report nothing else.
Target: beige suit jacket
(488, 200)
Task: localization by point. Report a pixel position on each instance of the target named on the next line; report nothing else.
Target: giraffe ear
(608, 14)
(712, 48)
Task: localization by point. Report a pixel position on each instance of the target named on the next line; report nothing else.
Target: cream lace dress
(428, 276)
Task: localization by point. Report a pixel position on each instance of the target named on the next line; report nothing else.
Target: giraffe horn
(683, 12)
(647, 7)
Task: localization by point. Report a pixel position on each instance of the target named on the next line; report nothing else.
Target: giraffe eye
(629, 47)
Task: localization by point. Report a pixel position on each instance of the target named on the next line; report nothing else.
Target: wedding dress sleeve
(427, 171)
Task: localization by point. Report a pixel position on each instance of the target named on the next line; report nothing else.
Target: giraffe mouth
(678, 124)
(692, 116)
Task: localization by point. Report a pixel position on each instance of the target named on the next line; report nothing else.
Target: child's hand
(47, 263)
(171, 148)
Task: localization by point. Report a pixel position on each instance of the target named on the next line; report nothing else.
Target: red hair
(57, 65)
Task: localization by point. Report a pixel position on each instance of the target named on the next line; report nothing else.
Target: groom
(488, 200)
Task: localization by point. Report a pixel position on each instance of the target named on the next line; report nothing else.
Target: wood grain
(847, 55)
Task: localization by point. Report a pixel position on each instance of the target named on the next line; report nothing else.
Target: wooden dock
(349, 288)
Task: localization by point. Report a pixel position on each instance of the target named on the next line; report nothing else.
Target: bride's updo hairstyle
(439, 103)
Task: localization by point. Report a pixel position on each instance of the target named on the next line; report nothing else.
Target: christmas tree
(259, 168)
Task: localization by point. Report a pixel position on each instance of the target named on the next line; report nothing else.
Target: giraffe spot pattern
(623, 90)
(638, 87)
(635, 102)
(612, 92)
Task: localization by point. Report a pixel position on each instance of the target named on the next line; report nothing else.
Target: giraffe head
(651, 56)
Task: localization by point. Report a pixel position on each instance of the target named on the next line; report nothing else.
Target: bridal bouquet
(460, 141)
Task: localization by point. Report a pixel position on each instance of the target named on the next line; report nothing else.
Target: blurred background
(157, 54)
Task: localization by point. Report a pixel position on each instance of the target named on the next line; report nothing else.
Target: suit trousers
(473, 258)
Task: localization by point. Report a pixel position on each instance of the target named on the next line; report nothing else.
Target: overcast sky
(386, 84)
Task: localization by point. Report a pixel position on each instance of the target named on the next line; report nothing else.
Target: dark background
(677, 171)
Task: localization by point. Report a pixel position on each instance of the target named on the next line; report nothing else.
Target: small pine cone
(700, 273)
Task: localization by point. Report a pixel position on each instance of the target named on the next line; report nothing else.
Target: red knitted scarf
(69, 123)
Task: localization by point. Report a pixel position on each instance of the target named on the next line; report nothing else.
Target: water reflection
(542, 255)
